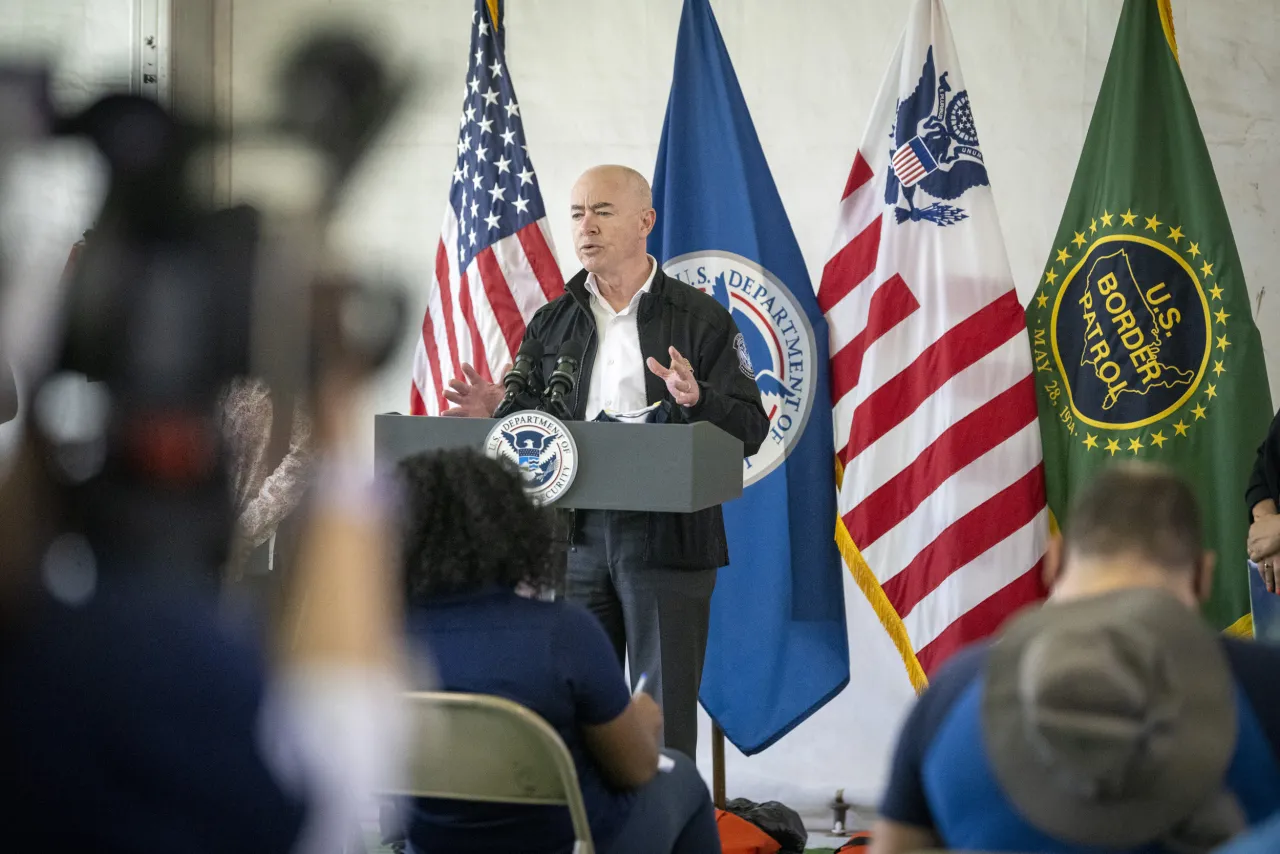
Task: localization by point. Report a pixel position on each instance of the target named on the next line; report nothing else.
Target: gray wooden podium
(673, 468)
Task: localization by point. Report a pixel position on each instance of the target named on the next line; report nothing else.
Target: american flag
(941, 493)
(495, 265)
(912, 162)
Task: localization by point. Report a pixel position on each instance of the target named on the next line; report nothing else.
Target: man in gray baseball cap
(1111, 718)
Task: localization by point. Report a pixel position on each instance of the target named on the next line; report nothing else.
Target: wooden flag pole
(717, 765)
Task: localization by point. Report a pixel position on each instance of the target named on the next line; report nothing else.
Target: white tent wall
(593, 77)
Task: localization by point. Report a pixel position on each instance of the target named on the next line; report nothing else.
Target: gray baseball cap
(1110, 721)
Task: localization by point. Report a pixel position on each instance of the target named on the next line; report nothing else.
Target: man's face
(610, 220)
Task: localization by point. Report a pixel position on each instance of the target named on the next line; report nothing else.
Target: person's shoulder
(945, 688)
(687, 298)
(554, 308)
(519, 608)
(576, 630)
(1255, 667)
(571, 616)
(1253, 663)
(148, 640)
(961, 669)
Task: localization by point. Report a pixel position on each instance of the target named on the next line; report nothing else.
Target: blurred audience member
(1264, 839)
(134, 719)
(1111, 718)
(472, 538)
(267, 484)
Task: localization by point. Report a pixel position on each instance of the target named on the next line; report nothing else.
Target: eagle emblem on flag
(935, 152)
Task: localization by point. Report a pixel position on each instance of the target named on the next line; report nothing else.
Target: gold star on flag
(1211, 390)
(1198, 412)
(1207, 269)
(1215, 292)
(1194, 250)
(1113, 446)
(1223, 343)
(1093, 226)
(1051, 277)
(1042, 301)
(1135, 445)
(1078, 240)
(1062, 255)
(1106, 219)
(1090, 441)
(1218, 368)
(1152, 223)
(1180, 428)
(1220, 316)
(1128, 217)
(1175, 233)
(1158, 439)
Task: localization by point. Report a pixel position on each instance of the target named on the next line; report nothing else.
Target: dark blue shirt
(132, 723)
(551, 657)
(941, 780)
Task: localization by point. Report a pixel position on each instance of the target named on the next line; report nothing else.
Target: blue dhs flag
(778, 649)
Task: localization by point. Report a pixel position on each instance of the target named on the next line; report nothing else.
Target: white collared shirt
(617, 374)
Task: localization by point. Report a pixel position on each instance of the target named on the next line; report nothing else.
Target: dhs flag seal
(541, 447)
(774, 344)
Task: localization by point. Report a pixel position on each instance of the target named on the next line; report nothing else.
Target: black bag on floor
(776, 819)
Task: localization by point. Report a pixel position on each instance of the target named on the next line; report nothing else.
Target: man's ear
(1204, 576)
(647, 220)
(1053, 559)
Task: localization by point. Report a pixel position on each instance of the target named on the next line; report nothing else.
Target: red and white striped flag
(942, 503)
(495, 265)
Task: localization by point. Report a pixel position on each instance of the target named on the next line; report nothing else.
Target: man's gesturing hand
(471, 396)
(678, 377)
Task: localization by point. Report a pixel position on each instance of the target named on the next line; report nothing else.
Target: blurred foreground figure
(135, 715)
(472, 540)
(1111, 718)
(266, 489)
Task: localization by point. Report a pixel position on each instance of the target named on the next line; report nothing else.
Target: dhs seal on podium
(543, 449)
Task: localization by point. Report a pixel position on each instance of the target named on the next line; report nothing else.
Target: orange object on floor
(860, 841)
(739, 836)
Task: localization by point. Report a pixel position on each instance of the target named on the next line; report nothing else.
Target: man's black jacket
(671, 314)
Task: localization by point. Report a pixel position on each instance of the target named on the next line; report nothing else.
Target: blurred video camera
(172, 298)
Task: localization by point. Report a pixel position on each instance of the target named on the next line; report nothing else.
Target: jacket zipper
(584, 375)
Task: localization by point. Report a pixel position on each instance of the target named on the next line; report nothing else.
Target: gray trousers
(671, 813)
(655, 616)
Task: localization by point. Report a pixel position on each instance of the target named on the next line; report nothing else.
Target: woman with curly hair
(471, 541)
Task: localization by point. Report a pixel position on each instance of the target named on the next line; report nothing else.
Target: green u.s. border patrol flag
(1143, 339)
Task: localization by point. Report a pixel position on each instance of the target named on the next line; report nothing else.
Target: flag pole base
(717, 765)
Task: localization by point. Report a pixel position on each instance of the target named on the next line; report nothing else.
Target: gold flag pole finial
(1166, 22)
(493, 14)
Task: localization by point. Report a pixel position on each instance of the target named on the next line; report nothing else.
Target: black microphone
(517, 379)
(563, 379)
